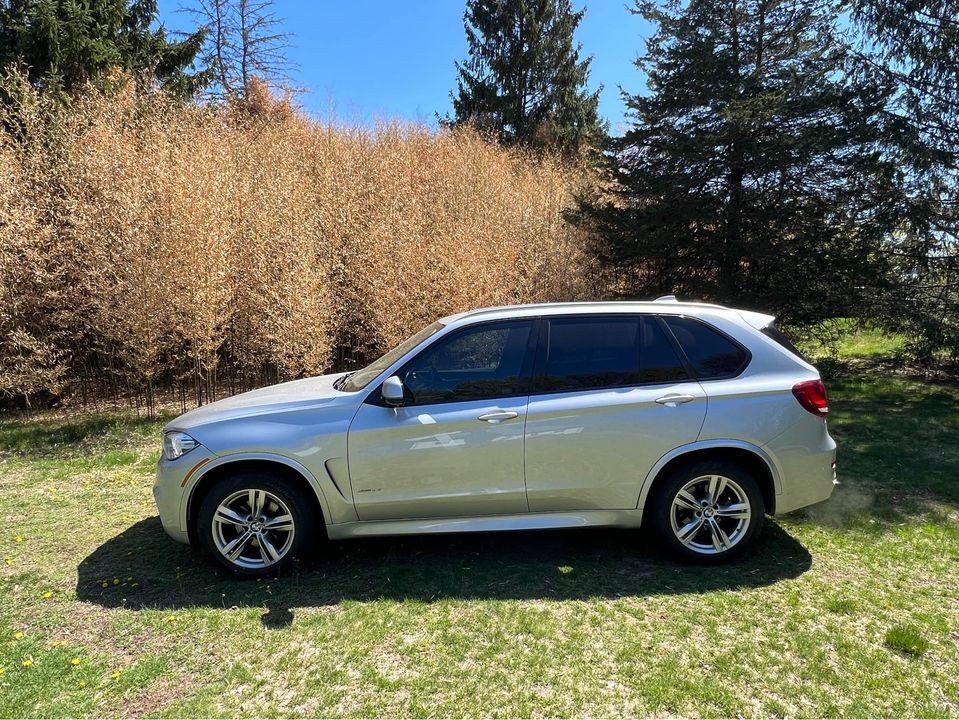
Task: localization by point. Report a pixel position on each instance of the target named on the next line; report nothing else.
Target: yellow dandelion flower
(8, 561)
(104, 584)
(18, 635)
(171, 619)
(3, 670)
(18, 539)
(83, 683)
(116, 581)
(115, 675)
(47, 595)
(28, 663)
(75, 662)
(58, 643)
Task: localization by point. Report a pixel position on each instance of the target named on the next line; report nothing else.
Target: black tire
(695, 550)
(285, 496)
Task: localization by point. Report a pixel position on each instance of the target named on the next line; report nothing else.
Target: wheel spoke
(719, 537)
(257, 499)
(688, 531)
(717, 483)
(727, 543)
(739, 511)
(714, 534)
(235, 548)
(229, 517)
(686, 500)
(280, 522)
(267, 550)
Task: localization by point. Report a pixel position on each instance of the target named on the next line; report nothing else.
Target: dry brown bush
(145, 245)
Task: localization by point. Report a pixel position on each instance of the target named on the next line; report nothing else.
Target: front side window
(711, 353)
(586, 353)
(477, 363)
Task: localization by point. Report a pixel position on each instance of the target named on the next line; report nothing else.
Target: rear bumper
(807, 471)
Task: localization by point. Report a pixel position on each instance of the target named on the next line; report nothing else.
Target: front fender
(336, 508)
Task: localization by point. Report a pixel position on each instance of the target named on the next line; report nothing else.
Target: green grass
(848, 609)
(907, 639)
(842, 339)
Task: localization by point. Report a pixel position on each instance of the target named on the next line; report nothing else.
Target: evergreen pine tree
(63, 44)
(915, 46)
(750, 175)
(524, 80)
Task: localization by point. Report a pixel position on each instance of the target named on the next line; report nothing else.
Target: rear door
(610, 397)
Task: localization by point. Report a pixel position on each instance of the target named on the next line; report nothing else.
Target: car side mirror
(392, 391)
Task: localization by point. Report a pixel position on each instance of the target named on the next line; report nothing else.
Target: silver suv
(696, 420)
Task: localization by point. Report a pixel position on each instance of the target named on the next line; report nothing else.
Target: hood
(285, 397)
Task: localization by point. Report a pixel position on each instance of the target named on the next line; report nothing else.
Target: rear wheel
(708, 512)
(255, 524)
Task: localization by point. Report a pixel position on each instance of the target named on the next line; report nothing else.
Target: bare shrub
(146, 244)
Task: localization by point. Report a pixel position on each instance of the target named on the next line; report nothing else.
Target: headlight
(176, 444)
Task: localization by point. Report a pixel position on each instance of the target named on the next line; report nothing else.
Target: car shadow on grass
(143, 569)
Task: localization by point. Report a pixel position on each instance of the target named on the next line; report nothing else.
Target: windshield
(361, 378)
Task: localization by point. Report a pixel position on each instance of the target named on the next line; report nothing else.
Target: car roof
(667, 305)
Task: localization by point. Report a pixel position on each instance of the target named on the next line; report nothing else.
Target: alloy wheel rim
(253, 528)
(710, 514)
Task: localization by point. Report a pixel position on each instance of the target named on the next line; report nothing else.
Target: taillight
(811, 394)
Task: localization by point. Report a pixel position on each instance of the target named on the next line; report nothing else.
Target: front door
(610, 398)
(455, 448)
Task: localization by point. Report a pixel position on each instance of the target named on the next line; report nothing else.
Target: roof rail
(666, 298)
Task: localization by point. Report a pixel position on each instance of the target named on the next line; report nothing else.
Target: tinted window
(710, 353)
(658, 361)
(584, 353)
(481, 362)
(774, 333)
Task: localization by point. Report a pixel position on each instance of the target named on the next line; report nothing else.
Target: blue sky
(364, 60)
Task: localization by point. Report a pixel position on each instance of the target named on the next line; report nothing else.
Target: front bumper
(170, 490)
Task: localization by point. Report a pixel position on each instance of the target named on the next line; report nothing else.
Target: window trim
(526, 373)
(543, 348)
(698, 377)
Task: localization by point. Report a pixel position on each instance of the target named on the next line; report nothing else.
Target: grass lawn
(843, 339)
(849, 609)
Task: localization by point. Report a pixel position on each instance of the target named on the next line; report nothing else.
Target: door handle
(498, 416)
(672, 400)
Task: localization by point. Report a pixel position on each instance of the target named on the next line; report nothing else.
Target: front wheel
(254, 524)
(708, 512)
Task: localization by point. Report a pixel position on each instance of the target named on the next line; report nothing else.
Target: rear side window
(774, 333)
(588, 353)
(658, 361)
(711, 353)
